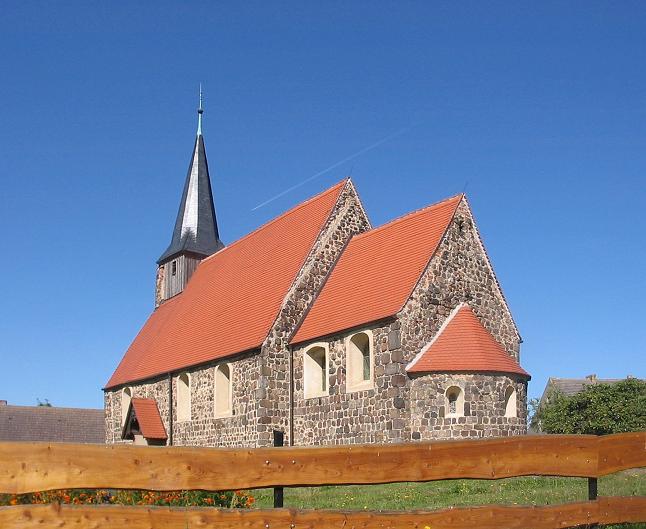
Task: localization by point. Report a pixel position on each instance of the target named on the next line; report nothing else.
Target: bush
(599, 409)
(184, 498)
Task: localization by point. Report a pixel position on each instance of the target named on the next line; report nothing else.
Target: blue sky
(538, 109)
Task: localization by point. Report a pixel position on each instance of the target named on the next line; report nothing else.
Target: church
(322, 327)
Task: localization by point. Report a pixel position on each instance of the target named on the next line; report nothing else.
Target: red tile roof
(150, 422)
(378, 271)
(232, 299)
(463, 344)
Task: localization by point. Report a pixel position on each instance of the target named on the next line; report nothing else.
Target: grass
(440, 494)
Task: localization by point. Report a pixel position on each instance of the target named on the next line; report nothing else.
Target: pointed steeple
(196, 227)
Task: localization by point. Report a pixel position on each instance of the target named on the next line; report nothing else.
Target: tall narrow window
(183, 398)
(126, 397)
(223, 390)
(454, 402)
(315, 372)
(510, 402)
(173, 268)
(359, 361)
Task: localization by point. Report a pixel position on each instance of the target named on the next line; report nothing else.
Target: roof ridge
(396, 220)
(279, 217)
(48, 407)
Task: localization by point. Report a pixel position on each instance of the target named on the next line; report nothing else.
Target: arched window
(315, 372)
(359, 361)
(223, 390)
(183, 398)
(126, 397)
(454, 402)
(510, 402)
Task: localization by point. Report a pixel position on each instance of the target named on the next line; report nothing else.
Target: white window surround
(354, 357)
(183, 397)
(222, 391)
(510, 402)
(315, 370)
(126, 398)
(454, 401)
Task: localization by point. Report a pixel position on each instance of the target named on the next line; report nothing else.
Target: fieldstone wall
(396, 407)
(261, 382)
(484, 406)
(346, 219)
(458, 272)
(204, 428)
(348, 417)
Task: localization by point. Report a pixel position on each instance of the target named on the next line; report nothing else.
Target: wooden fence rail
(30, 467)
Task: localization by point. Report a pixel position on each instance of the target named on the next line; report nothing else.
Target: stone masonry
(260, 379)
(397, 407)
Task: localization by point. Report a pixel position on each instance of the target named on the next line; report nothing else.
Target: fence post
(592, 495)
(279, 438)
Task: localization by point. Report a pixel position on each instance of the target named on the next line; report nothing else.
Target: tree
(599, 409)
(44, 403)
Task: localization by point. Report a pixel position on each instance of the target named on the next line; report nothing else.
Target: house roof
(147, 415)
(462, 344)
(378, 271)
(51, 424)
(196, 227)
(232, 299)
(572, 386)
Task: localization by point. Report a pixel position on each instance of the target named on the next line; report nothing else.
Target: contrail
(336, 164)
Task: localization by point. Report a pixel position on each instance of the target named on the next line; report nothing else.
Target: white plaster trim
(364, 384)
(316, 394)
(419, 355)
(190, 396)
(459, 403)
(229, 411)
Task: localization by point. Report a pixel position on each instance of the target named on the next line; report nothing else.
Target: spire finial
(200, 111)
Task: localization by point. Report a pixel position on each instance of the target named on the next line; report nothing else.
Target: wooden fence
(30, 467)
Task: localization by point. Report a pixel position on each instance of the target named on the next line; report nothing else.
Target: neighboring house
(571, 386)
(51, 424)
(318, 325)
(566, 387)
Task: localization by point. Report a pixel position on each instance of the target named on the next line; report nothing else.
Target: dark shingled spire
(196, 227)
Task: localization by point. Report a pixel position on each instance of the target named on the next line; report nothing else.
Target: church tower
(196, 229)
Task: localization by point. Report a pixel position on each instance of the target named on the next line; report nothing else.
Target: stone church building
(323, 327)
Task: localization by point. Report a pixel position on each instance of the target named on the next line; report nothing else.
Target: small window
(454, 402)
(510, 402)
(183, 398)
(173, 268)
(223, 390)
(359, 361)
(315, 372)
(126, 397)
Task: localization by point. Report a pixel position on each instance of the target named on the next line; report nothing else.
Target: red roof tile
(378, 271)
(150, 422)
(232, 299)
(463, 344)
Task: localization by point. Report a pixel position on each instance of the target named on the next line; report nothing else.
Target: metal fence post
(279, 438)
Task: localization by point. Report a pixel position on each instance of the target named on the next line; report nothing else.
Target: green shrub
(599, 409)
